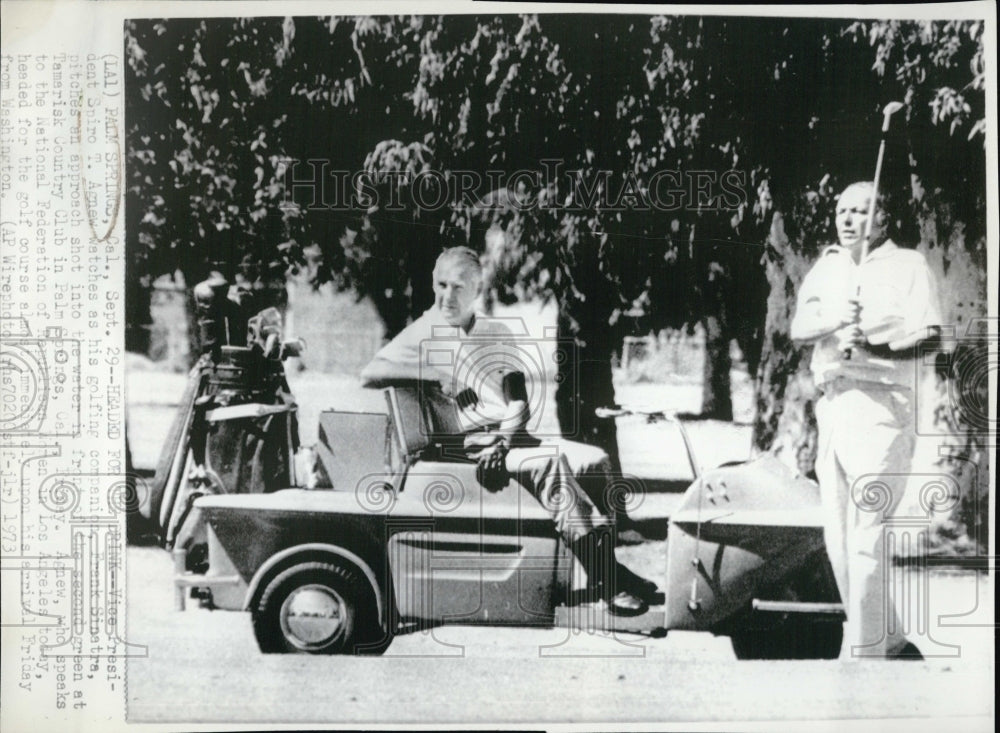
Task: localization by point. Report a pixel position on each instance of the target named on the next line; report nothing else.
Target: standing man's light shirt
(899, 306)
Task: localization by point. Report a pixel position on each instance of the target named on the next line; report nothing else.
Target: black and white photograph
(542, 366)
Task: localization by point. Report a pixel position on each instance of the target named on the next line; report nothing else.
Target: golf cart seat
(424, 424)
(421, 424)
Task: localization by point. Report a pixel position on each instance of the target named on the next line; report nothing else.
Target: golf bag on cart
(235, 430)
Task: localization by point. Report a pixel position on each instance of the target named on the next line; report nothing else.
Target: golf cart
(401, 534)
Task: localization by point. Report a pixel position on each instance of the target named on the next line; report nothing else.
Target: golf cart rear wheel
(792, 638)
(315, 608)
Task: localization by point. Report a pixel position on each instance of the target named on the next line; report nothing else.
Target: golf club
(887, 112)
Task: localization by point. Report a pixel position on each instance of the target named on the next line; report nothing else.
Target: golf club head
(888, 111)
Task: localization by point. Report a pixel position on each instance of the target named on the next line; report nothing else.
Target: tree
(215, 110)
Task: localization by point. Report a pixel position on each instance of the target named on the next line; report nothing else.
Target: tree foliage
(217, 107)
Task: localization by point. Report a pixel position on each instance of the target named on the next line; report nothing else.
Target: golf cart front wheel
(315, 608)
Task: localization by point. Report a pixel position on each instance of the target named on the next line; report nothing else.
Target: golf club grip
(845, 355)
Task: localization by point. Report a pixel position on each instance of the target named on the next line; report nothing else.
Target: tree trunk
(138, 319)
(194, 344)
(400, 288)
(746, 306)
(584, 382)
(393, 310)
(785, 422)
(716, 397)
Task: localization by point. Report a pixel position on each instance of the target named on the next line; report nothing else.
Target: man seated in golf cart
(472, 362)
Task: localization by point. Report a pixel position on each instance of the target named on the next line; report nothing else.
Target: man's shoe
(636, 584)
(608, 579)
(626, 604)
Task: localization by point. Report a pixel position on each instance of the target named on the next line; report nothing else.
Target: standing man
(475, 361)
(865, 319)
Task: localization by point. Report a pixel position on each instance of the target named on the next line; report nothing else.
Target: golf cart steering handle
(653, 416)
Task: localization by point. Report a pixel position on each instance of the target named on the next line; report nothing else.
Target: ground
(203, 666)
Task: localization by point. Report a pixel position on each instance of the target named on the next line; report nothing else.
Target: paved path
(203, 666)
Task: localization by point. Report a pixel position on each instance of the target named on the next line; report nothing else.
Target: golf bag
(235, 430)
